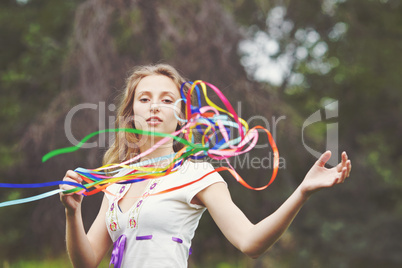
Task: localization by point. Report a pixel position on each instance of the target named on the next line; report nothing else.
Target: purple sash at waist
(118, 251)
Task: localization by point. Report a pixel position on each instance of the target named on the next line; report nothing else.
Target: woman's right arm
(85, 250)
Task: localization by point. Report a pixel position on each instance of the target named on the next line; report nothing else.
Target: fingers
(71, 201)
(343, 168)
(73, 175)
(345, 163)
(343, 174)
(342, 164)
(344, 158)
(348, 167)
(70, 176)
(323, 159)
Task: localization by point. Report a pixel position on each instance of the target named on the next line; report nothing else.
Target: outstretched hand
(320, 177)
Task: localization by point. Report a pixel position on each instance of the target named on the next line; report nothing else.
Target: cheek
(139, 117)
(179, 110)
(170, 116)
(177, 113)
(170, 110)
(140, 123)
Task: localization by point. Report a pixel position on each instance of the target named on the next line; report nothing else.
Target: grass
(59, 262)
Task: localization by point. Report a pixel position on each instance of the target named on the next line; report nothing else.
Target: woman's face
(154, 104)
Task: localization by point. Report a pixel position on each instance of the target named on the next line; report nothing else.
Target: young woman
(158, 229)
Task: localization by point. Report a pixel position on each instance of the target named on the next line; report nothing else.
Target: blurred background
(279, 60)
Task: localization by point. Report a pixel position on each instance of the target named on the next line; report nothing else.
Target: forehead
(157, 84)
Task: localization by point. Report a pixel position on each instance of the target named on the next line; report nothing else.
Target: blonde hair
(125, 146)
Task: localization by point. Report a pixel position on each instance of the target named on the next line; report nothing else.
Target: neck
(163, 150)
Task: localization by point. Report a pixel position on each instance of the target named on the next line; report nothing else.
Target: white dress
(159, 228)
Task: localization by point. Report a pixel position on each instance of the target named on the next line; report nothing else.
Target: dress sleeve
(111, 192)
(196, 171)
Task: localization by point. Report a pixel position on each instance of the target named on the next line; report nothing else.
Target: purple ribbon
(144, 237)
(118, 250)
(176, 239)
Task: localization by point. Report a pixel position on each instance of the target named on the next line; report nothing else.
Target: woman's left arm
(255, 239)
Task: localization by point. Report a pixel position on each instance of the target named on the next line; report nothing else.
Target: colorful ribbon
(216, 126)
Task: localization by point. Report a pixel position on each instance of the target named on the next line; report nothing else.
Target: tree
(348, 51)
(332, 50)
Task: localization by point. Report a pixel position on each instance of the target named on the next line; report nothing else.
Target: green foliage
(362, 75)
(13, 221)
(49, 262)
(348, 51)
(34, 45)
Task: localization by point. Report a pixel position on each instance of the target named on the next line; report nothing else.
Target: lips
(154, 119)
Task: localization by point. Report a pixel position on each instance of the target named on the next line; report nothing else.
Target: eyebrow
(166, 92)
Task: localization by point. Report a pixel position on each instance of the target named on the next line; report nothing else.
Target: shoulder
(197, 177)
(111, 191)
(216, 192)
(197, 167)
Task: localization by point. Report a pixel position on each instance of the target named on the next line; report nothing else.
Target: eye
(144, 99)
(167, 101)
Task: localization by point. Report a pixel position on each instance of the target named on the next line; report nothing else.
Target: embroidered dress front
(160, 228)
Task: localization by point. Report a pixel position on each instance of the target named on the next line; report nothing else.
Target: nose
(155, 107)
